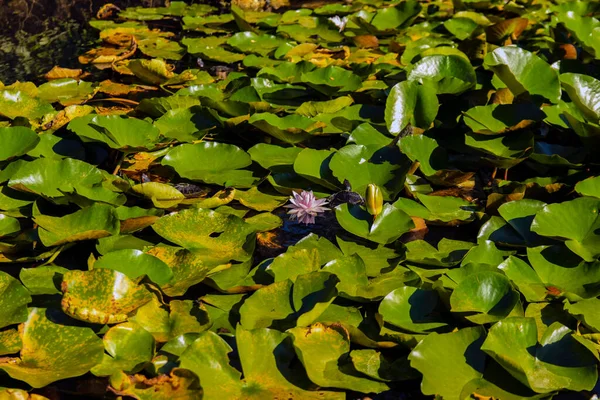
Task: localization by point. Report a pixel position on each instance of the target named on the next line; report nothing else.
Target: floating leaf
(489, 294)
(319, 347)
(584, 91)
(410, 103)
(57, 178)
(93, 222)
(362, 165)
(162, 195)
(128, 346)
(449, 361)
(14, 301)
(388, 226)
(576, 221)
(52, 351)
(501, 118)
(116, 131)
(218, 236)
(101, 296)
(16, 103)
(445, 74)
(221, 164)
(513, 343)
(16, 141)
(134, 264)
(411, 309)
(523, 71)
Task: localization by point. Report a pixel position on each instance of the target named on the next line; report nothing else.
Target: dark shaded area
(36, 35)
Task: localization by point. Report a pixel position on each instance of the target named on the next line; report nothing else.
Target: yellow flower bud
(374, 200)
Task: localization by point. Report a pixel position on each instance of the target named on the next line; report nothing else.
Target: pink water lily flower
(305, 206)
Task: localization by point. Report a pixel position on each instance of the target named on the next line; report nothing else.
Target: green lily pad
(332, 79)
(449, 361)
(9, 226)
(162, 195)
(312, 109)
(513, 343)
(410, 103)
(426, 150)
(584, 91)
(97, 221)
(582, 27)
(116, 131)
(445, 74)
(211, 48)
(222, 163)
(267, 305)
(134, 264)
(497, 119)
(52, 351)
(14, 301)
(387, 227)
(437, 208)
(576, 221)
(449, 252)
(154, 71)
(10, 342)
(58, 178)
(188, 268)
(67, 91)
(17, 103)
(523, 71)
(563, 272)
(291, 129)
(270, 156)
(161, 48)
(185, 124)
(411, 309)
(17, 141)
(44, 279)
(101, 296)
(362, 165)
(375, 259)
(526, 279)
(585, 311)
(128, 346)
(319, 347)
(219, 237)
(484, 297)
(250, 42)
(255, 199)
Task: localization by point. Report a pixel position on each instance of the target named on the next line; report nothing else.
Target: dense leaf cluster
(142, 238)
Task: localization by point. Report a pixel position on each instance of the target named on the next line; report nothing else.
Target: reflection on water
(36, 35)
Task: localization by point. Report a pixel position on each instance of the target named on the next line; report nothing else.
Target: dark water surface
(36, 35)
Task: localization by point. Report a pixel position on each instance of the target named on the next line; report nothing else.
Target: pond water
(36, 35)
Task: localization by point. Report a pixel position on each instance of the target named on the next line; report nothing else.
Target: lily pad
(93, 222)
(134, 264)
(101, 296)
(536, 364)
(217, 236)
(128, 346)
(52, 351)
(445, 74)
(410, 103)
(222, 163)
(116, 131)
(14, 301)
(17, 141)
(387, 227)
(411, 309)
(523, 71)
